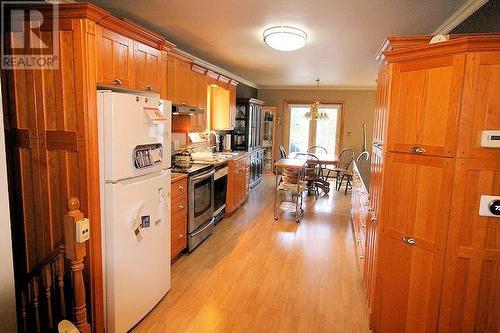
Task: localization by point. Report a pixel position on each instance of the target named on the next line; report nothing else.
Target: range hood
(182, 109)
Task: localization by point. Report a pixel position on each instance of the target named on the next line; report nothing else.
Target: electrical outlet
(82, 230)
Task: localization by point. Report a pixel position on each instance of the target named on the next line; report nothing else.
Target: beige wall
(359, 107)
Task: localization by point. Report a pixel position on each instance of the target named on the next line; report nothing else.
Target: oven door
(201, 200)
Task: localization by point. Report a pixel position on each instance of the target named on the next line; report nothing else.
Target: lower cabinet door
(414, 221)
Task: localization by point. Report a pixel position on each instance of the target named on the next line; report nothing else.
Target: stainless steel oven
(220, 185)
(200, 207)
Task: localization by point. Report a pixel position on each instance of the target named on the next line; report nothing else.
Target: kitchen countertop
(363, 168)
(236, 155)
(178, 176)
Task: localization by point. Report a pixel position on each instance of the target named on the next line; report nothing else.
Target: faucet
(213, 143)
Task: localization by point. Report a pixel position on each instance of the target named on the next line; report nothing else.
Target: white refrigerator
(134, 148)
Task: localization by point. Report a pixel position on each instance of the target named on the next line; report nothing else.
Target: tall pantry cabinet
(432, 261)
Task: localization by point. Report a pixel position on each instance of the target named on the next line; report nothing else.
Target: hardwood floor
(257, 275)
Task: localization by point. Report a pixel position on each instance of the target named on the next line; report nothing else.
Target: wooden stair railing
(52, 286)
(75, 252)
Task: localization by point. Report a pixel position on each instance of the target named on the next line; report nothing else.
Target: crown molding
(357, 88)
(466, 10)
(200, 62)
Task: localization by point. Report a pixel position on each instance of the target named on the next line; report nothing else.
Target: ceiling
(343, 36)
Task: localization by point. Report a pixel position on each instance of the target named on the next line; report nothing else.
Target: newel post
(75, 252)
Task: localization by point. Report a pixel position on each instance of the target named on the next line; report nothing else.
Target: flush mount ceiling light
(285, 38)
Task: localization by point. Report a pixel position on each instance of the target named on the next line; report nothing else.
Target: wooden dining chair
(347, 175)
(346, 157)
(313, 173)
(317, 149)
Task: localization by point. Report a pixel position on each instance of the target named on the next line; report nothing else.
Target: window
(305, 133)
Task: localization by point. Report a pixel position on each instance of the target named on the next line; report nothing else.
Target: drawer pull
(181, 188)
(409, 241)
(181, 236)
(181, 207)
(417, 150)
(149, 88)
(117, 82)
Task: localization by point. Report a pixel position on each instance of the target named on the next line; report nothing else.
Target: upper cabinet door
(424, 105)
(382, 100)
(163, 76)
(414, 221)
(114, 60)
(146, 68)
(480, 104)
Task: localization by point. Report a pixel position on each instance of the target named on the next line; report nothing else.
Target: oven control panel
(147, 155)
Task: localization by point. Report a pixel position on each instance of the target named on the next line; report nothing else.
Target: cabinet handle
(181, 236)
(149, 88)
(373, 219)
(181, 188)
(117, 82)
(409, 241)
(417, 150)
(181, 207)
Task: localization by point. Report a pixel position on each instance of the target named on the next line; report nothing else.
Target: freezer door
(134, 132)
(137, 248)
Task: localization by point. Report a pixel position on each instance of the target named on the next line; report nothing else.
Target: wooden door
(480, 104)
(424, 105)
(146, 68)
(414, 219)
(182, 81)
(51, 146)
(471, 294)
(231, 187)
(114, 58)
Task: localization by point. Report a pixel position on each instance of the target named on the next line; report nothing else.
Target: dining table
(324, 159)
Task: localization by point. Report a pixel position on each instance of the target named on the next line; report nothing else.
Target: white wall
(7, 293)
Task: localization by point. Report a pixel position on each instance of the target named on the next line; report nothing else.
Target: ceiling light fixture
(285, 38)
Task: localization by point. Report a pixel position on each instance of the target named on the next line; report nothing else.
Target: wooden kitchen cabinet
(470, 296)
(481, 99)
(198, 98)
(146, 68)
(179, 217)
(413, 235)
(424, 105)
(431, 262)
(163, 75)
(114, 58)
(237, 183)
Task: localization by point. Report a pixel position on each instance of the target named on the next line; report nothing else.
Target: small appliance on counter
(182, 160)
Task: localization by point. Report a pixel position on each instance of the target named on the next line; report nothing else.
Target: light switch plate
(488, 205)
(82, 230)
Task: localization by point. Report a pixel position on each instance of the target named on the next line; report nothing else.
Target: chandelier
(315, 112)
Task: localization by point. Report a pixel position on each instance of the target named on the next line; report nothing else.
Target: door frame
(286, 119)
